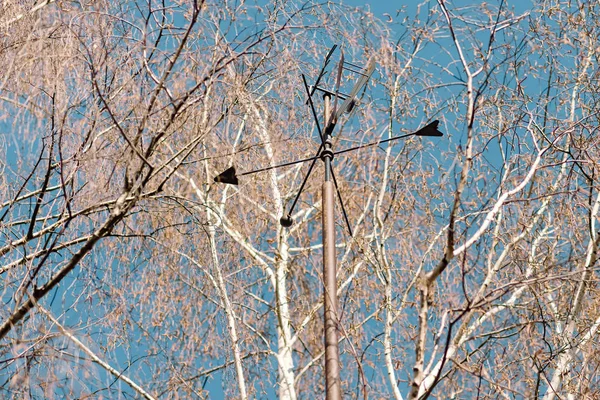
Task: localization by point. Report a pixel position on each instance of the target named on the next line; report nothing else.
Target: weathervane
(326, 153)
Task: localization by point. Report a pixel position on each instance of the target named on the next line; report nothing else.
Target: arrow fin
(430, 130)
(227, 176)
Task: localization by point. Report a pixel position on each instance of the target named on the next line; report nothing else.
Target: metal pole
(332, 356)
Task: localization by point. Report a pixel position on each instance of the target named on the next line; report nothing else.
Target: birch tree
(471, 270)
(108, 109)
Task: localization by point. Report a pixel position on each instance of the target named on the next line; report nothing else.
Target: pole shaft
(332, 357)
(330, 310)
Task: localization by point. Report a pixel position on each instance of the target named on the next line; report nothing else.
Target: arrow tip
(228, 176)
(430, 130)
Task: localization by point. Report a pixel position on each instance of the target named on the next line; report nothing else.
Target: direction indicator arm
(429, 131)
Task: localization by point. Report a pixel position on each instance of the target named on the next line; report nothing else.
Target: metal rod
(342, 96)
(322, 69)
(372, 144)
(287, 164)
(314, 112)
(354, 71)
(335, 153)
(330, 301)
(337, 189)
(354, 65)
(330, 315)
(314, 160)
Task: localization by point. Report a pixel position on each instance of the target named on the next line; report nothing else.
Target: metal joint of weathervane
(326, 153)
